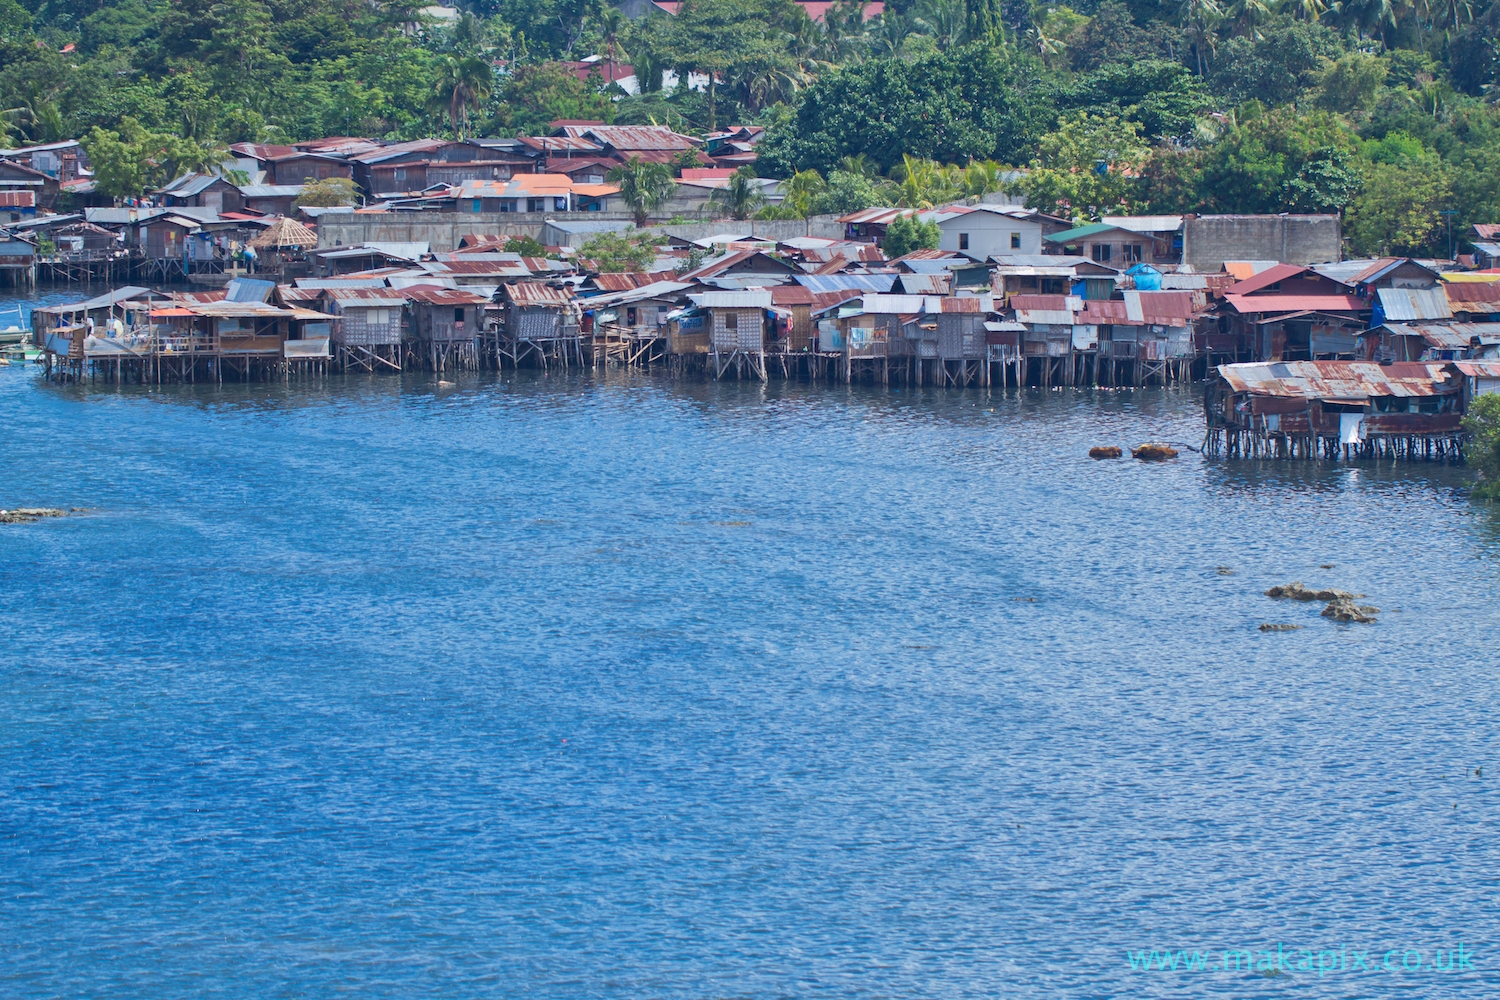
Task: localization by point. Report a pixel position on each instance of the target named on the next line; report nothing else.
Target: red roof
(791, 295)
(1296, 303)
(1265, 279)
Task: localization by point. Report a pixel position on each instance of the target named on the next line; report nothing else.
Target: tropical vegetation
(1387, 111)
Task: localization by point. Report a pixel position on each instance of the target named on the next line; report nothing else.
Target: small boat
(12, 335)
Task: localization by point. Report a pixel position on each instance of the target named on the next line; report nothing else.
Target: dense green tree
(846, 191)
(616, 252)
(644, 187)
(747, 41)
(541, 93)
(1163, 96)
(328, 193)
(1483, 453)
(952, 106)
(1085, 168)
(1254, 166)
(907, 233)
(1275, 64)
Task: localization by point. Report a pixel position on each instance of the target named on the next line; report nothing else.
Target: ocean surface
(574, 687)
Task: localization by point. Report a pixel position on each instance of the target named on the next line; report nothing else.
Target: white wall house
(985, 230)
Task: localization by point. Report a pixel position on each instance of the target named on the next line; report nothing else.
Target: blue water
(562, 687)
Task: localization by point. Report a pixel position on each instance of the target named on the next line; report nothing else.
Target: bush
(907, 233)
(1483, 425)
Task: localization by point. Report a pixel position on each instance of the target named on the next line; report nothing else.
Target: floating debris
(25, 515)
(1223, 571)
(1345, 610)
(1153, 451)
(1025, 600)
(1106, 451)
(1270, 627)
(1296, 592)
(1326, 566)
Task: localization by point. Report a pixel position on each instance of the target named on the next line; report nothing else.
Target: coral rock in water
(1153, 452)
(1345, 610)
(1108, 451)
(1295, 591)
(25, 515)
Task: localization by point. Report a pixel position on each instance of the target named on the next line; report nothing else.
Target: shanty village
(618, 499)
(584, 243)
(520, 253)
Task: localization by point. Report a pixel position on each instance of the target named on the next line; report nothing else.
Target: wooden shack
(541, 325)
(446, 326)
(1328, 409)
(736, 328)
(631, 325)
(792, 328)
(370, 326)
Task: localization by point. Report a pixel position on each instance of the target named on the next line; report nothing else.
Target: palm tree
(612, 26)
(943, 20)
(772, 79)
(981, 177)
(741, 198)
(1246, 14)
(924, 183)
(1199, 18)
(860, 164)
(645, 187)
(462, 83)
(470, 34)
(1050, 48)
(843, 30)
(798, 193)
(890, 34)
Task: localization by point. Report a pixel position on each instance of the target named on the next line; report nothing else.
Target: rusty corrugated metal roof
(1342, 380)
(534, 293)
(1462, 294)
(1478, 369)
(436, 295)
(1439, 335)
(635, 137)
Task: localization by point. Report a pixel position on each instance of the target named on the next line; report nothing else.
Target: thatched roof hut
(283, 234)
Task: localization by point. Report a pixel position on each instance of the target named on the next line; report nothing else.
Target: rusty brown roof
(436, 295)
(1473, 292)
(1343, 380)
(534, 293)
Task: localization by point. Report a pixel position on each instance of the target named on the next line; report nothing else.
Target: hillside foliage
(1388, 112)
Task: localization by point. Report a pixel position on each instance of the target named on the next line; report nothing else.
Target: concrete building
(1210, 240)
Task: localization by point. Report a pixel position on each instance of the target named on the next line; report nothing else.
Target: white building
(983, 231)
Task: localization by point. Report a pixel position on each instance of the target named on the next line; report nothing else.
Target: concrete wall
(443, 230)
(1209, 240)
(826, 227)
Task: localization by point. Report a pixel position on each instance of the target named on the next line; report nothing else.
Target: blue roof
(840, 282)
